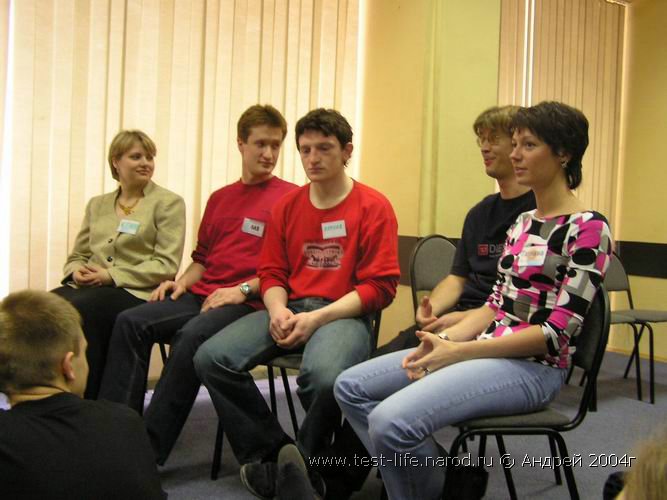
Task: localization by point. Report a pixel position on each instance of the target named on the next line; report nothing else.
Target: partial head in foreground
(41, 344)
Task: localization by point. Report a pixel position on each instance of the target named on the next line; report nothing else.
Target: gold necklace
(127, 210)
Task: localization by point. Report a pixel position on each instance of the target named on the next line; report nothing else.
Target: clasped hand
(91, 275)
(432, 354)
(289, 330)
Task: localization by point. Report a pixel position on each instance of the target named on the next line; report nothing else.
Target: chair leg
(569, 374)
(638, 370)
(481, 452)
(163, 353)
(217, 452)
(633, 355)
(651, 364)
(506, 470)
(582, 379)
(567, 467)
(272, 389)
(464, 444)
(554, 453)
(290, 403)
(593, 406)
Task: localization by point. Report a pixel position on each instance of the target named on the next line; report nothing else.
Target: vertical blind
(181, 70)
(570, 51)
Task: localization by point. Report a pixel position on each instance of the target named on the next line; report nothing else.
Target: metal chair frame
(617, 280)
(547, 421)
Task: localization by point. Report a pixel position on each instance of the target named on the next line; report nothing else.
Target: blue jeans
(223, 362)
(181, 324)
(394, 417)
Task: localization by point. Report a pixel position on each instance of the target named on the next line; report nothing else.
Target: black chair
(590, 347)
(430, 263)
(283, 363)
(616, 280)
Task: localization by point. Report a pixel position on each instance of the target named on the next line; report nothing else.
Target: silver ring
(426, 370)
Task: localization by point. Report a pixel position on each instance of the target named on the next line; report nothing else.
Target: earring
(563, 164)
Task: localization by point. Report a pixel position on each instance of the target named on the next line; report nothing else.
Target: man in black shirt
(465, 288)
(53, 444)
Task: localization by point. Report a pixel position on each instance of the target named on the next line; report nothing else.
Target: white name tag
(128, 226)
(334, 229)
(533, 256)
(254, 227)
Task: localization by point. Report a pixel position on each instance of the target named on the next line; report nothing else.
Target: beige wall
(643, 178)
(430, 68)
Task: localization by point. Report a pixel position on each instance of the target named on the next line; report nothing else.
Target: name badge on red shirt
(333, 229)
(254, 227)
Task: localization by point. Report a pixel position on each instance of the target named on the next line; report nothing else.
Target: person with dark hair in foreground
(53, 444)
(464, 289)
(511, 355)
(329, 262)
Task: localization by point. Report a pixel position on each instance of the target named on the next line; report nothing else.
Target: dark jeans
(179, 323)
(98, 307)
(223, 362)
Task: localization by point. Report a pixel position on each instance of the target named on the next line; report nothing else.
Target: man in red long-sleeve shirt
(217, 288)
(329, 261)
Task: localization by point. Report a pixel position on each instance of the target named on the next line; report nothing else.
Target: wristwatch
(245, 289)
(443, 336)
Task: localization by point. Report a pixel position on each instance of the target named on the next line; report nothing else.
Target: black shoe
(260, 479)
(294, 481)
(318, 484)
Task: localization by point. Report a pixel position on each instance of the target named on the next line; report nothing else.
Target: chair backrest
(590, 347)
(616, 279)
(430, 263)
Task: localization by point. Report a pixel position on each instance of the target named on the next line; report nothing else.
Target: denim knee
(319, 379)
(344, 389)
(204, 361)
(386, 431)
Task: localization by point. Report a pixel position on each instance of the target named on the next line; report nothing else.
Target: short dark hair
(37, 330)
(258, 115)
(563, 128)
(327, 121)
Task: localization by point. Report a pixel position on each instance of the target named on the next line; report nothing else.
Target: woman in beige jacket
(130, 241)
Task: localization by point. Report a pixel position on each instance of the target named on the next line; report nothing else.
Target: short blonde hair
(495, 119)
(37, 330)
(124, 141)
(647, 478)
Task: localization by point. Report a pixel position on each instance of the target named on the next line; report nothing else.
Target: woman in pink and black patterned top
(512, 354)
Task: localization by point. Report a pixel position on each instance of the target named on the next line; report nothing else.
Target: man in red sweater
(218, 287)
(329, 262)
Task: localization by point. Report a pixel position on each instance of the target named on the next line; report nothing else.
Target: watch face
(245, 289)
